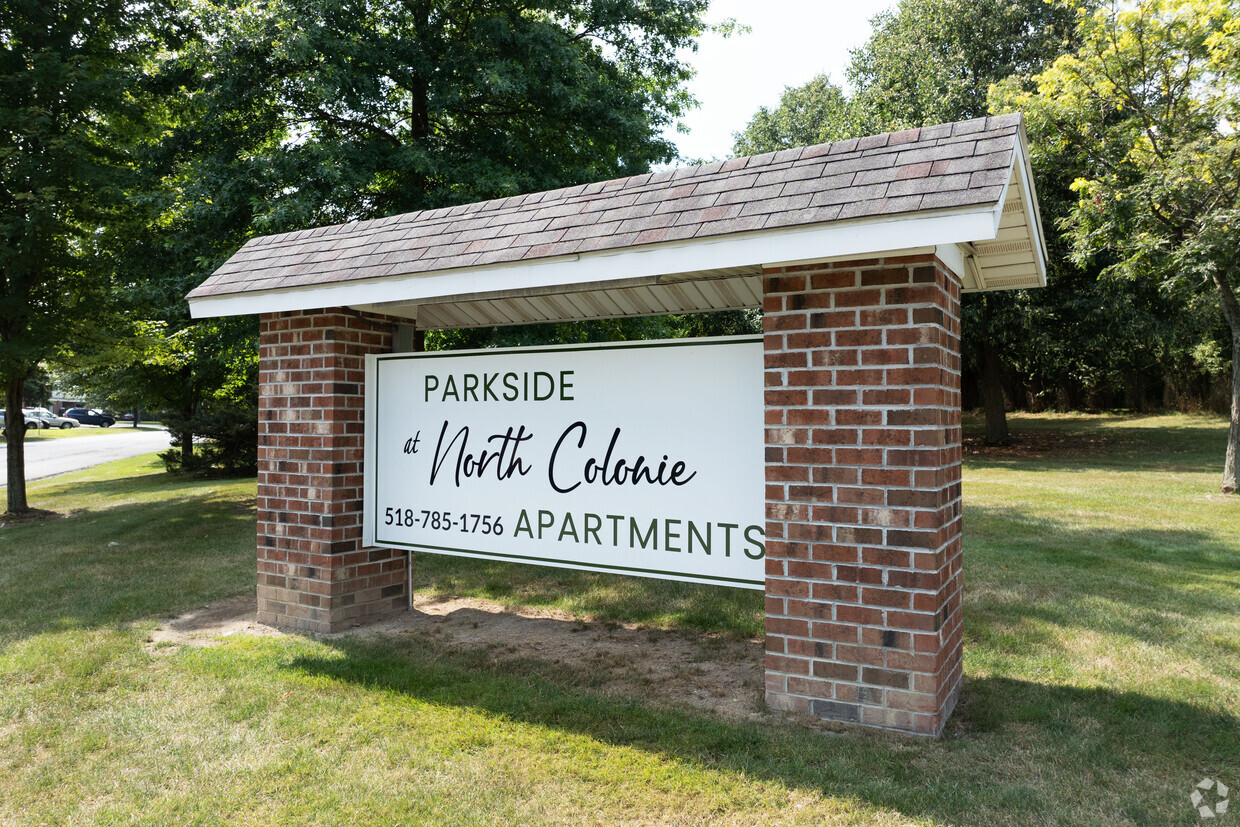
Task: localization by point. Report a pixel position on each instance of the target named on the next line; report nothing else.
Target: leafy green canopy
(297, 113)
(389, 107)
(1149, 103)
(70, 114)
(928, 62)
(816, 113)
(73, 115)
(932, 61)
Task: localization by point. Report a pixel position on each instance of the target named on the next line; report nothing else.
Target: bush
(225, 443)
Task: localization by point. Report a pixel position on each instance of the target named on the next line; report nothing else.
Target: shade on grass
(1102, 615)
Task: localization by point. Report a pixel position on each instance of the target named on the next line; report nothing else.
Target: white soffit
(1014, 258)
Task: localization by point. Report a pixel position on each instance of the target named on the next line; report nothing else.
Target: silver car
(50, 420)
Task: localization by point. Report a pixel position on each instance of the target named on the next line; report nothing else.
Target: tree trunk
(990, 384)
(15, 431)
(187, 448)
(1231, 312)
(1231, 465)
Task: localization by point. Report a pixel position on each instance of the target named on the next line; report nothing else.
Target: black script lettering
(556, 450)
(613, 471)
(504, 461)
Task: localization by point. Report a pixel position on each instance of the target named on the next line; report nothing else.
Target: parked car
(50, 420)
(31, 422)
(91, 416)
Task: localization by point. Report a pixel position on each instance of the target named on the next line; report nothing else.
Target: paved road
(49, 457)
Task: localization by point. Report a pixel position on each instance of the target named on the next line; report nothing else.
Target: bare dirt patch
(710, 673)
(31, 515)
(207, 626)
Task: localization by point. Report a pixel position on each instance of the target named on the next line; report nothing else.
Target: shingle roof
(936, 167)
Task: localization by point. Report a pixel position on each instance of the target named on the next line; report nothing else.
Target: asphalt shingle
(934, 167)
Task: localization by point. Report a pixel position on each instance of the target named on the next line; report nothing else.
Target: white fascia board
(953, 257)
(769, 248)
(1029, 197)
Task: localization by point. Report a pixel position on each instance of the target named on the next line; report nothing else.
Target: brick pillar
(863, 585)
(313, 573)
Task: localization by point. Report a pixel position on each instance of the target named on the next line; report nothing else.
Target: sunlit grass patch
(1102, 614)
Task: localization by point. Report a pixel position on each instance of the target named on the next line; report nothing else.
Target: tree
(928, 62)
(933, 61)
(298, 113)
(71, 74)
(815, 113)
(390, 107)
(1149, 99)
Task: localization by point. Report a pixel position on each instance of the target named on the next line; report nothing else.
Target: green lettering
(727, 537)
(565, 386)
(756, 543)
(651, 538)
(538, 395)
(510, 384)
(449, 388)
(568, 528)
(704, 542)
(669, 535)
(545, 520)
(432, 383)
(615, 529)
(471, 386)
(523, 524)
(598, 523)
(488, 379)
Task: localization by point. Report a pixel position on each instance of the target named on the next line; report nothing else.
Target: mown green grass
(1102, 616)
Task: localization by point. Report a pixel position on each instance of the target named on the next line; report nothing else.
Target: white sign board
(637, 458)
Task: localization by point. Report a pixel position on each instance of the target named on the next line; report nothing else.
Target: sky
(791, 41)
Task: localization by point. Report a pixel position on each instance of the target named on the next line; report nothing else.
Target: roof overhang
(996, 246)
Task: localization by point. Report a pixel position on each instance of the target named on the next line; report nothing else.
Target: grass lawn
(1102, 658)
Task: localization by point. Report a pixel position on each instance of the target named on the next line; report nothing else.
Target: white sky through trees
(791, 41)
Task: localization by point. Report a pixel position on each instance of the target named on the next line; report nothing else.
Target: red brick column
(313, 573)
(863, 585)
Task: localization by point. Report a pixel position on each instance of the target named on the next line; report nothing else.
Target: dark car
(91, 416)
